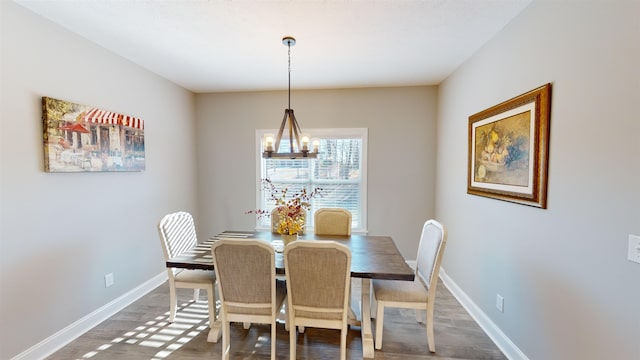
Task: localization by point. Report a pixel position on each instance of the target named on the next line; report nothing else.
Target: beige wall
(61, 233)
(401, 123)
(569, 291)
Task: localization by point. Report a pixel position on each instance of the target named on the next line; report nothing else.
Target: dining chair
(247, 286)
(318, 284)
(332, 221)
(418, 294)
(177, 234)
(275, 219)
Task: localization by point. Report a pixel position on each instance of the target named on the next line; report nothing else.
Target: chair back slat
(178, 233)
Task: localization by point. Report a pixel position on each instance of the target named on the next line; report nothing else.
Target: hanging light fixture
(299, 144)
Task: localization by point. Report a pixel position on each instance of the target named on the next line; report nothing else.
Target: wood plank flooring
(142, 331)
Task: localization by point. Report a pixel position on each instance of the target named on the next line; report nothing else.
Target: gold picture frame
(509, 149)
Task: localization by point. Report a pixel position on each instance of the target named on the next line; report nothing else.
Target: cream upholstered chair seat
(318, 284)
(247, 286)
(332, 221)
(402, 291)
(177, 234)
(419, 294)
(194, 276)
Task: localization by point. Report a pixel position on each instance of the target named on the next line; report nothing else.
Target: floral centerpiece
(291, 211)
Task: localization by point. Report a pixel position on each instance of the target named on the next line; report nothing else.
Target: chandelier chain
(289, 54)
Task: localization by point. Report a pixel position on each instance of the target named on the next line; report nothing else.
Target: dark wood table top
(372, 257)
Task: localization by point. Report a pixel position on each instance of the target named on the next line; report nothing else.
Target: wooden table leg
(215, 332)
(353, 319)
(367, 334)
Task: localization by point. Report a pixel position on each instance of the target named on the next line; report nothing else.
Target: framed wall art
(80, 138)
(509, 149)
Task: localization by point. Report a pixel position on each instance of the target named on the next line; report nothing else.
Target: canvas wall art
(508, 149)
(80, 138)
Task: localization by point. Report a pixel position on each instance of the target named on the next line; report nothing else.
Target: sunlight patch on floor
(192, 319)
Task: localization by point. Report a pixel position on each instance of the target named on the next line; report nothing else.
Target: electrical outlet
(499, 303)
(634, 248)
(108, 280)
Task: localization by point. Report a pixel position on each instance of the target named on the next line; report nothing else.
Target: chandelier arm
(279, 136)
(290, 132)
(296, 130)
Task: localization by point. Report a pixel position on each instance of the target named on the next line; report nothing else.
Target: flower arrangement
(292, 211)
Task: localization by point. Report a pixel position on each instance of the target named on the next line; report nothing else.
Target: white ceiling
(236, 45)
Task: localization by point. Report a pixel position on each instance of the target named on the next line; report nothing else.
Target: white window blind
(340, 170)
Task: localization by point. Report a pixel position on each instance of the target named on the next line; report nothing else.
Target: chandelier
(298, 142)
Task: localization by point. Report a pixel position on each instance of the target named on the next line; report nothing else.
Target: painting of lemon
(502, 151)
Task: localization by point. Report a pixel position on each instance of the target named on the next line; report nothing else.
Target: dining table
(372, 257)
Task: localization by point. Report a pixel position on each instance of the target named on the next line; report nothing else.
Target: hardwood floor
(141, 331)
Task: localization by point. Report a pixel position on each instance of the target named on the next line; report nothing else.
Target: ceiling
(236, 45)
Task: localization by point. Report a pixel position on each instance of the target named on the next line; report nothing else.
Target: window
(340, 170)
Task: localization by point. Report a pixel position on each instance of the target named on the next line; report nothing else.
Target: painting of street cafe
(80, 138)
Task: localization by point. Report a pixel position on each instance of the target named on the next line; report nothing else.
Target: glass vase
(286, 239)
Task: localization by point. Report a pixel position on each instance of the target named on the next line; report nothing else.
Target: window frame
(323, 133)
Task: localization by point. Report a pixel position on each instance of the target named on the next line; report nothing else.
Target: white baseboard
(508, 348)
(56, 341)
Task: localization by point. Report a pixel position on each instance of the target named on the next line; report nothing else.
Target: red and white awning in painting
(103, 117)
